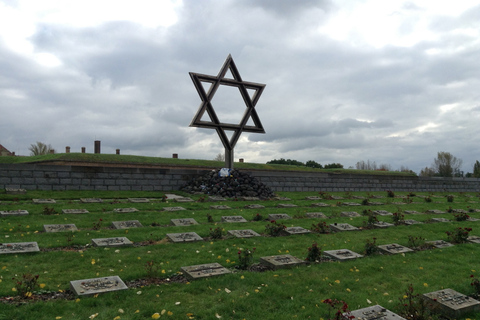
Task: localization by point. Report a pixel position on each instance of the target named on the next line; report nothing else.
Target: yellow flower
(242, 277)
(93, 261)
(156, 315)
(163, 271)
(78, 300)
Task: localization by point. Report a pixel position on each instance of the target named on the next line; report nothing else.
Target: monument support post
(228, 158)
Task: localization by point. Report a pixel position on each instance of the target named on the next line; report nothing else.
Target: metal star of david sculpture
(206, 106)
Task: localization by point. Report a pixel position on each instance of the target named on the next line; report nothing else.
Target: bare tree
(446, 165)
(219, 157)
(427, 172)
(40, 148)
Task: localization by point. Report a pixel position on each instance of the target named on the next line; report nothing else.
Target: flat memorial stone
(383, 213)
(375, 203)
(439, 244)
(473, 219)
(183, 222)
(435, 211)
(473, 239)
(250, 198)
(394, 248)
(342, 227)
(125, 210)
(409, 222)
(315, 198)
(74, 211)
(204, 271)
(452, 303)
(97, 285)
(126, 224)
(138, 200)
(278, 216)
(18, 247)
(460, 211)
(281, 261)
(295, 230)
(220, 207)
(350, 214)
(216, 198)
(184, 199)
(282, 199)
(316, 215)
(233, 219)
(44, 201)
(184, 237)
(350, 204)
(172, 209)
(411, 212)
(382, 224)
(13, 213)
(15, 191)
(440, 220)
(254, 206)
(171, 196)
(320, 204)
(111, 242)
(91, 200)
(286, 205)
(59, 227)
(343, 254)
(243, 233)
(373, 313)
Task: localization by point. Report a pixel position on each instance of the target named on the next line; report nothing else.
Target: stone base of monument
(18, 247)
(343, 254)
(281, 261)
(295, 230)
(243, 233)
(184, 237)
(111, 242)
(13, 213)
(278, 216)
(138, 200)
(320, 204)
(172, 209)
(394, 248)
(44, 201)
(316, 215)
(204, 271)
(183, 222)
(91, 200)
(373, 313)
(126, 224)
(125, 210)
(97, 285)
(59, 227)
(74, 211)
(451, 303)
(15, 191)
(439, 244)
(233, 219)
(220, 207)
(342, 227)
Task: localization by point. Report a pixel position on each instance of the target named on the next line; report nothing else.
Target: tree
(333, 166)
(446, 165)
(40, 149)
(219, 157)
(427, 172)
(476, 169)
(313, 164)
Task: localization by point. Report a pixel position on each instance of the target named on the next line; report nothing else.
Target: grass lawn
(295, 293)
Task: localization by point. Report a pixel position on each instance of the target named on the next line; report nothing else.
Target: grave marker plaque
(15, 191)
(59, 227)
(411, 212)
(138, 200)
(435, 211)
(320, 204)
(18, 247)
(350, 214)
(286, 205)
(97, 285)
(171, 196)
(439, 244)
(295, 230)
(126, 224)
(382, 224)
(216, 198)
(282, 199)
(343, 254)
(204, 271)
(184, 199)
(383, 213)
(74, 211)
(243, 233)
(183, 222)
(281, 261)
(111, 242)
(394, 248)
(91, 200)
(125, 210)
(250, 198)
(172, 209)
(278, 216)
(220, 207)
(44, 201)
(254, 206)
(374, 313)
(184, 237)
(439, 220)
(409, 222)
(316, 215)
(452, 303)
(13, 213)
(342, 227)
(315, 198)
(473, 239)
(233, 219)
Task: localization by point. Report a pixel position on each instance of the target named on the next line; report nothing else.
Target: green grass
(283, 294)
(67, 158)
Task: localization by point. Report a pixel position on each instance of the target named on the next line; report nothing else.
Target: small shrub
(26, 285)
(390, 194)
(407, 199)
(371, 219)
(450, 210)
(274, 229)
(245, 258)
(398, 218)
(365, 202)
(201, 199)
(209, 218)
(450, 198)
(217, 233)
(413, 306)
(415, 242)
(97, 225)
(164, 198)
(325, 195)
(475, 283)
(314, 253)
(428, 199)
(321, 227)
(151, 269)
(459, 235)
(461, 216)
(49, 211)
(411, 194)
(371, 247)
(339, 308)
(257, 217)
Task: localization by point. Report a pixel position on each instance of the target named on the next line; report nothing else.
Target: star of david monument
(244, 88)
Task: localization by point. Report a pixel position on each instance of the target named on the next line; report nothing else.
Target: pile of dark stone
(236, 184)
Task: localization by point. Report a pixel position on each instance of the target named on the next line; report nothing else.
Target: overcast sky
(387, 81)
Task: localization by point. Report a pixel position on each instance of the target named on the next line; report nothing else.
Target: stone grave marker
(350, 204)
(111, 242)
(383, 213)
(411, 212)
(394, 248)
(358, 197)
(282, 199)
(286, 205)
(184, 237)
(184, 199)
(172, 209)
(451, 302)
(138, 200)
(216, 198)
(13, 213)
(91, 200)
(374, 313)
(435, 211)
(183, 222)
(233, 219)
(315, 198)
(320, 204)
(439, 220)
(281, 261)
(254, 206)
(336, 198)
(15, 191)
(382, 224)
(18, 247)
(439, 244)
(343, 254)
(171, 196)
(409, 222)
(295, 230)
(44, 201)
(97, 285)
(204, 271)
(59, 227)
(473, 239)
(460, 211)
(375, 203)
(126, 224)
(316, 215)
(473, 219)
(350, 214)
(342, 227)
(278, 216)
(125, 210)
(243, 233)
(74, 211)
(250, 198)
(220, 207)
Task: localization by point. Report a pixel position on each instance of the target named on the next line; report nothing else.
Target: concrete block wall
(59, 177)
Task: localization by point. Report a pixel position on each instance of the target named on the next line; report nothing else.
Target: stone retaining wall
(60, 177)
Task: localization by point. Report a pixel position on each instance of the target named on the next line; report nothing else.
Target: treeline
(309, 163)
(372, 165)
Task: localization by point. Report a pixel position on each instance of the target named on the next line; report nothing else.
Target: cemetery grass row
(279, 294)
